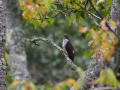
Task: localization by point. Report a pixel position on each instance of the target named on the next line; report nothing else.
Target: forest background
(34, 55)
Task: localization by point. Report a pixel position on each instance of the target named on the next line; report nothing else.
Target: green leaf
(77, 17)
(108, 77)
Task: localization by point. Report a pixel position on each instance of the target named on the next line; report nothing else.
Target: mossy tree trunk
(3, 80)
(15, 42)
(115, 16)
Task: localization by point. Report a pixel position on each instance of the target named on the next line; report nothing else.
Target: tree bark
(15, 43)
(115, 16)
(3, 80)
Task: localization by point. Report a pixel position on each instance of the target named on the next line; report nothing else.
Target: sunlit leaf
(81, 72)
(32, 86)
(43, 11)
(71, 81)
(100, 1)
(14, 84)
(58, 88)
(107, 77)
(83, 30)
(102, 23)
(28, 6)
(104, 28)
(113, 24)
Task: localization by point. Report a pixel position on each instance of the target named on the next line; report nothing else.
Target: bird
(68, 48)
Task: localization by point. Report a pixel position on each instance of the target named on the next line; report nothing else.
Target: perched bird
(67, 46)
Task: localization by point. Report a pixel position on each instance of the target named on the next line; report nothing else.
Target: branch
(95, 9)
(92, 73)
(88, 12)
(86, 2)
(107, 23)
(50, 42)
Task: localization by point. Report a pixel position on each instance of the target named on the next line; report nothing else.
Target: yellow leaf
(30, 2)
(52, 0)
(26, 85)
(113, 24)
(14, 84)
(83, 30)
(22, 4)
(100, 1)
(32, 86)
(58, 88)
(71, 81)
(43, 11)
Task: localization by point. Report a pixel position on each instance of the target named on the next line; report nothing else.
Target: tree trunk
(115, 16)
(15, 43)
(3, 80)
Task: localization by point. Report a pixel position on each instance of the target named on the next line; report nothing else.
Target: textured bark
(3, 80)
(15, 43)
(115, 16)
(92, 73)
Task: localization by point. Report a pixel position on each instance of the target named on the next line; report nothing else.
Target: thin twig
(88, 12)
(86, 2)
(50, 42)
(95, 9)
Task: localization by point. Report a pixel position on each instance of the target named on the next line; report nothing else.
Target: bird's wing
(70, 50)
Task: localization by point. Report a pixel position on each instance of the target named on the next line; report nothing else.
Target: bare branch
(50, 42)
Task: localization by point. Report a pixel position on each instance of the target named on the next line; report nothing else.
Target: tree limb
(92, 73)
(50, 42)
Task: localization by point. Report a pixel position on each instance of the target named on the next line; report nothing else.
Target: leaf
(26, 85)
(14, 84)
(50, 20)
(32, 86)
(102, 23)
(58, 88)
(108, 77)
(81, 72)
(30, 2)
(71, 81)
(43, 11)
(71, 20)
(104, 28)
(77, 17)
(102, 77)
(28, 6)
(100, 1)
(83, 30)
(54, 6)
(113, 24)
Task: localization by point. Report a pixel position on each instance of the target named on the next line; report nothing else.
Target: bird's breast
(64, 43)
